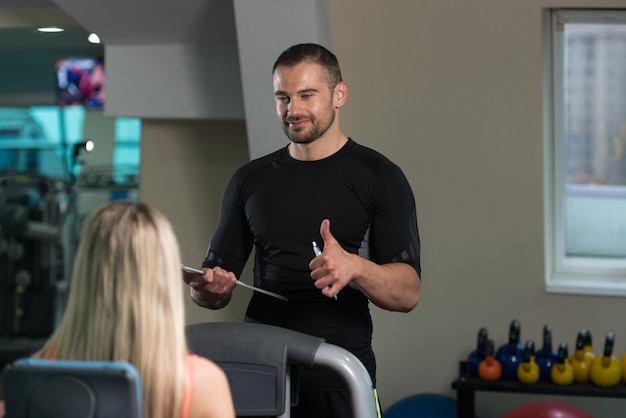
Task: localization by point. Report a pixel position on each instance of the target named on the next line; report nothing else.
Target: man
(322, 187)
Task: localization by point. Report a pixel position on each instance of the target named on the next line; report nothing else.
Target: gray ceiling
(20, 18)
(117, 22)
(123, 22)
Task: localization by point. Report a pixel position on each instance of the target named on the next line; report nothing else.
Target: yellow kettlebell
(528, 369)
(606, 370)
(583, 357)
(624, 367)
(562, 372)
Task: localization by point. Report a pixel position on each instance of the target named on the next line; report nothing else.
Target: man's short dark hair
(314, 53)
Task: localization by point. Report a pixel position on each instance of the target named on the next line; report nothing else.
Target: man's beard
(317, 129)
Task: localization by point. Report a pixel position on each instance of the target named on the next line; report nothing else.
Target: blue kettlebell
(510, 354)
(478, 355)
(546, 356)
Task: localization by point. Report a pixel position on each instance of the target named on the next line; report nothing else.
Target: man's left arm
(393, 286)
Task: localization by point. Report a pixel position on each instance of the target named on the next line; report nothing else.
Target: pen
(317, 251)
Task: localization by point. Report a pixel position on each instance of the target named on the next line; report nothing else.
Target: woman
(126, 304)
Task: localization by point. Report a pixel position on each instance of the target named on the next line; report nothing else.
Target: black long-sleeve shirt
(276, 205)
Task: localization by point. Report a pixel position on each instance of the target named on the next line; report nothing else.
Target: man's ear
(340, 94)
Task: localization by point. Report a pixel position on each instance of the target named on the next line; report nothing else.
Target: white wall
(264, 30)
(452, 92)
(185, 166)
(173, 81)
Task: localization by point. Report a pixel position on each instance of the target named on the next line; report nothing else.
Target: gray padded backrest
(256, 359)
(35, 388)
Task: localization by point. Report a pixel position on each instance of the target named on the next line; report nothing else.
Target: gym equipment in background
(528, 369)
(510, 354)
(34, 253)
(423, 405)
(582, 357)
(606, 370)
(546, 355)
(547, 409)
(478, 355)
(490, 368)
(562, 372)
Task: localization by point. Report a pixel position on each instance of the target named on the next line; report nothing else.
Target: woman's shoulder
(206, 369)
(210, 390)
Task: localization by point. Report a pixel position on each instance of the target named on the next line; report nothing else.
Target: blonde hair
(126, 303)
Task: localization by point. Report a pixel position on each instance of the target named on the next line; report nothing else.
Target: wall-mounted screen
(80, 81)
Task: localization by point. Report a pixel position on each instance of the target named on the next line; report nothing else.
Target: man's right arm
(227, 254)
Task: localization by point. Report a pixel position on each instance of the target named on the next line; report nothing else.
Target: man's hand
(391, 286)
(212, 289)
(332, 270)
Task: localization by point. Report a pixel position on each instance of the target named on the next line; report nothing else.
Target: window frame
(566, 274)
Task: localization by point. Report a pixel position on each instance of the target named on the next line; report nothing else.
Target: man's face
(304, 101)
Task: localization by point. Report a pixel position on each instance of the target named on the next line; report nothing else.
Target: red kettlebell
(489, 368)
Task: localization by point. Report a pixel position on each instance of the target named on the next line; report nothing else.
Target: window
(586, 153)
(41, 139)
(127, 150)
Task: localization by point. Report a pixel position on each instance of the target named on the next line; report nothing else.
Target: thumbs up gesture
(332, 269)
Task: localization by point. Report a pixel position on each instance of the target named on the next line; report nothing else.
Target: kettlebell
(562, 372)
(546, 356)
(478, 355)
(582, 357)
(624, 367)
(489, 368)
(528, 369)
(606, 370)
(510, 354)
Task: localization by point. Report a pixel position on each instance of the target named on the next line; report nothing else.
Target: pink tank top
(191, 367)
